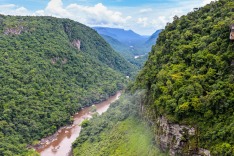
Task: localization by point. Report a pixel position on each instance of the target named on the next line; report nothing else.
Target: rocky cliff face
(174, 138)
(76, 43)
(14, 31)
(188, 79)
(178, 139)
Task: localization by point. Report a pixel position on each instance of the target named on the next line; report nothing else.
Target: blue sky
(37, 4)
(142, 16)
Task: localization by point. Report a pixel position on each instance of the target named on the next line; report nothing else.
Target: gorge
(178, 99)
(61, 142)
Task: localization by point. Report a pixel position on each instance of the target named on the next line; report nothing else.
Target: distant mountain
(128, 52)
(128, 37)
(152, 39)
(116, 44)
(128, 43)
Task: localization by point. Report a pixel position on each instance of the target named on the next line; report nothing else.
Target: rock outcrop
(14, 31)
(76, 43)
(54, 60)
(178, 139)
(174, 138)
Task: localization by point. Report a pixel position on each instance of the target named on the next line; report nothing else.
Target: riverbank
(60, 142)
(120, 131)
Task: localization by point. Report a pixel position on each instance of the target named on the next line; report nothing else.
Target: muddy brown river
(62, 141)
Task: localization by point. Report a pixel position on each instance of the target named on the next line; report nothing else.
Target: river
(137, 56)
(61, 143)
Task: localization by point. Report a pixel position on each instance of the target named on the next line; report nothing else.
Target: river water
(62, 142)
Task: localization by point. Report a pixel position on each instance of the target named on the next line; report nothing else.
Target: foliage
(85, 123)
(119, 131)
(93, 109)
(128, 52)
(44, 79)
(189, 75)
(129, 44)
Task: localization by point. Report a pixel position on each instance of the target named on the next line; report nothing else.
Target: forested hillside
(118, 132)
(49, 69)
(189, 77)
(126, 51)
(129, 44)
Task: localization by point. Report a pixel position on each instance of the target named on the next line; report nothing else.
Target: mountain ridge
(49, 69)
(120, 34)
(189, 83)
(128, 43)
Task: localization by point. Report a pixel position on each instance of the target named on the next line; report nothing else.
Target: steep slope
(118, 46)
(129, 44)
(152, 39)
(97, 47)
(128, 52)
(49, 69)
(130, 41)
(119, 131)
(189, 78)
(125, 36)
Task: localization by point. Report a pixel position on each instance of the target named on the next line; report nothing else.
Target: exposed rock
(64, 61)
(76, 43)
(177, 139)
(232, 63)
(54, 60)
(204, 152)
(14, 31)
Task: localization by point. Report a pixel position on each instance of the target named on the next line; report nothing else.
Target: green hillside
(118, 132)
(49, 69)
(189, 76)
(128, 43)
(126, 51)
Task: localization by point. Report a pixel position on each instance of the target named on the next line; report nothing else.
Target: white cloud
(142, 19)
(207, 1)
(7, 6)
(55, 8)
(89, 15)
(160, 21)
(39, 13)
(97, 15)
(12, 9)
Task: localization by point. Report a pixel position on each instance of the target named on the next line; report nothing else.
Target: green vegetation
(45, 78)
(189, 76)
(119, 131)
(129, 137)
(50, 68)
(129, 44)
(128, 52)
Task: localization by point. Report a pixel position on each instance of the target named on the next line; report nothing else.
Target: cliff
(189, 83)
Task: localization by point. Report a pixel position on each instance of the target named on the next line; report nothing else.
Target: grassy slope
(119, 131)
(130, 137)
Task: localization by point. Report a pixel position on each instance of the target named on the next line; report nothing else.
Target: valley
(128, 43)
(61, 143)
(46, 79)
(69, 88)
